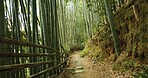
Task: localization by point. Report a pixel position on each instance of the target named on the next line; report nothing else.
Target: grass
(141, 74)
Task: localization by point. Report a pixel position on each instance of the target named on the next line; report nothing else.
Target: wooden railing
(47, 65)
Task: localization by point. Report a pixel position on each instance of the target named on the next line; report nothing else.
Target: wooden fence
(48, 64)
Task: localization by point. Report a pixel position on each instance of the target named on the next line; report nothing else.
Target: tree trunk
(112, 27)
(2, 34)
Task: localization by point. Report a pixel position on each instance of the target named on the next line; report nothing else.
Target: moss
(84, 52)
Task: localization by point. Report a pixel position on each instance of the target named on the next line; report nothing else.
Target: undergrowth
(141, 73)
(137, 70)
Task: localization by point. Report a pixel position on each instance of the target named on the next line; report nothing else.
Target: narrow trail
(84, 68)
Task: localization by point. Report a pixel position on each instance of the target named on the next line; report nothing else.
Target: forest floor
(85, 68)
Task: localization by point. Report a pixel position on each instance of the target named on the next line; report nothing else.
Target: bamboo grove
(34, 21)
(51, 23)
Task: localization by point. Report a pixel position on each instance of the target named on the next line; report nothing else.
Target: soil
(85, 68)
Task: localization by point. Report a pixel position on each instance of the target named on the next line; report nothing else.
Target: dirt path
(84, 68)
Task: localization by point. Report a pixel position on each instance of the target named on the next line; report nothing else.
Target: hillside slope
(131, 22)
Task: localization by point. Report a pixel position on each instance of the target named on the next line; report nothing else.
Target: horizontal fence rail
(23, 43)
(20, 66)
(49, 69)
(22, 60)
(9, 54)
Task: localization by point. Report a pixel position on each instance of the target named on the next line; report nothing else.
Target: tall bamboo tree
(112, 26)
(2, 34)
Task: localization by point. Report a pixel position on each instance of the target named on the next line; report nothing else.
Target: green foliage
(139, 70)
(74, 28)
(116, 67)
(75, 47)
(141, 74)
(85, 52)
(129, 64)
(98, 56)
